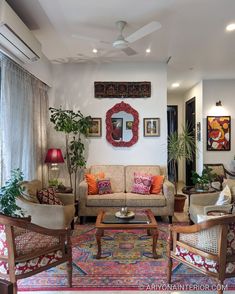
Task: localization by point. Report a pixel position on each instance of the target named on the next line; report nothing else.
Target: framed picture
(96, 128)
(218, 133)
(117, 128)
(129, 125)
(151, 127)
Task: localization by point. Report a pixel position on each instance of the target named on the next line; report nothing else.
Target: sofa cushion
(138, 200)
(91, 180)
(142, 183)
(106, 200)
(30, 190)
(48, 196)
(157, 183)
(144, 169)
(104, 186)
(115, 173)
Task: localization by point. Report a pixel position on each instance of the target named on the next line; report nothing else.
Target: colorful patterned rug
(126, 264)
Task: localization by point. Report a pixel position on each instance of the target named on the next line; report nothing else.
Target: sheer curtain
(23, 119)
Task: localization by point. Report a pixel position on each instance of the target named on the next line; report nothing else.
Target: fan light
(230, 27)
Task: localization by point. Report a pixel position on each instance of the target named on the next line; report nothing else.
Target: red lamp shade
(54, 156)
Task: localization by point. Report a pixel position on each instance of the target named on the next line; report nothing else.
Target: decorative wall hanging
(96, 128)
(198, 131)
(117, 117)
(151, 127)
(218, 133)
(122, 89)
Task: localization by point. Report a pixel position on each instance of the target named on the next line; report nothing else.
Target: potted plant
(180, 146)
(75, 126)
(202, 183)
(9, 193)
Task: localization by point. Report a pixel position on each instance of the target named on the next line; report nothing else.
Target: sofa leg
(82, 220)
(170, 219)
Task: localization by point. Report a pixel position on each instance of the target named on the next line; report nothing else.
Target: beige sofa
(121, 178)
(49, 216)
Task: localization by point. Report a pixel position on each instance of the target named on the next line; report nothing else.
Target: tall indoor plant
(75, 126)
(180, 146)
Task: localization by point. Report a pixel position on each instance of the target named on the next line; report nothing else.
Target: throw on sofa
(121, 178)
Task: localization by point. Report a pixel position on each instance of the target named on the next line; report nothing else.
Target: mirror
(122, 123)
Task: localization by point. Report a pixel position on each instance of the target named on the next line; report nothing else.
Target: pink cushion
(142, 183)
(104, 186)
(47, 196)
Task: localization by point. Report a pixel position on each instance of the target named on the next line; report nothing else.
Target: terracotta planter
(179, 203)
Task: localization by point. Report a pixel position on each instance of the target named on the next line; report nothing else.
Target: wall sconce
(53, 157)
(218, 103)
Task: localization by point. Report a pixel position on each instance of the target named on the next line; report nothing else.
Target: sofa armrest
(169, 191)
(204, 199)
(83, 190)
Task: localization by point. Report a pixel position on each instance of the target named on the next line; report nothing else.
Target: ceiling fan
(123, 43)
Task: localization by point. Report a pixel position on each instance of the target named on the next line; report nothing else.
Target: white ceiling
(192, 33)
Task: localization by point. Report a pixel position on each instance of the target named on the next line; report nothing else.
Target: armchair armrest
(66, 198)
(229, 172)
(204, 199)
(226, 208)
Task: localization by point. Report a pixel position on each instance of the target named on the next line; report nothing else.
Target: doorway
(190, 120)
(172, 126)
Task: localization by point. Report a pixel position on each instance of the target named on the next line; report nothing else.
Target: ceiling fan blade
(144, 31)
(129, 51)
(89, 39)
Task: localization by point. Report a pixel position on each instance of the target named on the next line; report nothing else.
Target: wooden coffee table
(150, 225)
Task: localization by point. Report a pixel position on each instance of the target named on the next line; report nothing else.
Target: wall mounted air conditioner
(15, 37)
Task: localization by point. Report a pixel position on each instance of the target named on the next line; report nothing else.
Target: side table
(189, 190)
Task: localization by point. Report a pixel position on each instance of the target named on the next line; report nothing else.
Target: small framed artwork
(218, 133)
(117, 131)
(151, 127)
(129, 125)
(95, 129)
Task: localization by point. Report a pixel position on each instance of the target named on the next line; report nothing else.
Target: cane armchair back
(207, 247)
(27, 249)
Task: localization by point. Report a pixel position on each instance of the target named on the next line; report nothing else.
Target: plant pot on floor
(179, 202)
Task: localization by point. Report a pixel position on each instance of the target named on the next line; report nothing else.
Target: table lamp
(53, 157)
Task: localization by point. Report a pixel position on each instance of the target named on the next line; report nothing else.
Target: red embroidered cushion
(48, 196)
(104, 186)
(142, 183)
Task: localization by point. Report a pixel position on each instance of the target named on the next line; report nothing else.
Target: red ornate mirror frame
(109, 127)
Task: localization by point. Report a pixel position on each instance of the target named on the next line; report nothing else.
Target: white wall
(178, 99)
(214, 90)
(73, 88)
(197, 92)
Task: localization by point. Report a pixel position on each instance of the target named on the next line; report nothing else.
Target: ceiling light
(94, 50)
(230, 27)
(218, 103)
(148, 50)
(175, 85)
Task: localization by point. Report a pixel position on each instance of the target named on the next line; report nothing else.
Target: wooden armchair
(208, 247)
(27, 249)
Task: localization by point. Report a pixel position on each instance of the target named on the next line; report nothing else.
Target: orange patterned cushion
(47, 196)
(157, 182)
(91, 180)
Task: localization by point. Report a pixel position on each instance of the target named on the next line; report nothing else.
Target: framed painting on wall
(95, 129)
(151, 127)
(218, 133)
